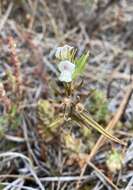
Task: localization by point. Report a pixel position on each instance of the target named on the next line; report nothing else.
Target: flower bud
(64, 53)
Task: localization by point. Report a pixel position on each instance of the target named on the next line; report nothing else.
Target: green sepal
(80, 65)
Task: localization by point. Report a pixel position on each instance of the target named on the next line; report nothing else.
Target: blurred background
(30, 32)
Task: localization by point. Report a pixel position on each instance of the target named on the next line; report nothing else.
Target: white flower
(65, 77)
(63, 53)
(66, 68)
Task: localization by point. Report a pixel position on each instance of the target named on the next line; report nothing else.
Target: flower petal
(66, 66)
(65, 77)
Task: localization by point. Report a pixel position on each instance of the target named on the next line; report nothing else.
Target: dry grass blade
(52, 20)
(12, 185)
(33, 15)
(102, 175)
(129, 186)
(17, 186)
(43, 179)
(28, 163)
(25, 131)
(4, 19)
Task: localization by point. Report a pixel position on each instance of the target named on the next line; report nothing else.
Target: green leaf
(3, 121)
(13, 111)
(1, 186)
(80, 65)
(16, 122)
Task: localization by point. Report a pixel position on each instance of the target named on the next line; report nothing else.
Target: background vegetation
(37, 149)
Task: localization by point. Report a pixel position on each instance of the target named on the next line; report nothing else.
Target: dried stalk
(16, 63)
